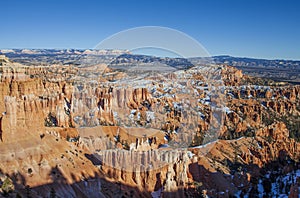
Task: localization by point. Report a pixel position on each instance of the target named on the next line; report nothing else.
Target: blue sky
(256, 28)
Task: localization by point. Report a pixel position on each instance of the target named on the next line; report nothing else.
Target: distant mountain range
(279, 70)
(241, 61)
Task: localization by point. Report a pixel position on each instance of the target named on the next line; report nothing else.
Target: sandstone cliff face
(26, 105)
(232, 76)
(243, 158)
(45, 110)
(95, 106)
(30, 152)
(252, 108)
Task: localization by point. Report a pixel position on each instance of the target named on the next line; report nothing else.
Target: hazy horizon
(213, 55)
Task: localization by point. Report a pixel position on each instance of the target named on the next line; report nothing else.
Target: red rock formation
(43, 108)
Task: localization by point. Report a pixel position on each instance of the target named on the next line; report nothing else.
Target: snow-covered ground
(280, 186)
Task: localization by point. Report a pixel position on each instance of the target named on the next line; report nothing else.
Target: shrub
(7, 186)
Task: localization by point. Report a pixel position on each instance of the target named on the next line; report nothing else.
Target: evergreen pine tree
(52, 193)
